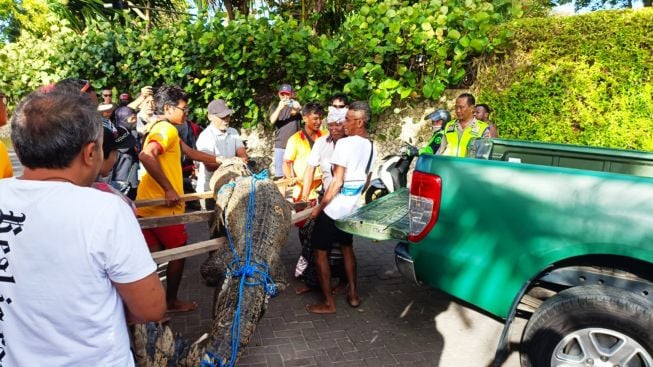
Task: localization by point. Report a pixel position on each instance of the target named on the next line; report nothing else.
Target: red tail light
(424, 204)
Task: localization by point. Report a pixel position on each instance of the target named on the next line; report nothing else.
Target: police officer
(439, 119)
(458, 133)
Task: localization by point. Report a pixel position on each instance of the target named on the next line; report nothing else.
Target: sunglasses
(106, 95)
(185, 109)
(339, 105)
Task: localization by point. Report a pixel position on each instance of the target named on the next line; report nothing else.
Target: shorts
(278, 161)
(167, 237)
(326, 234)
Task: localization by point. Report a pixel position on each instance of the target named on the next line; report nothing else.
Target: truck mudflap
(382, 219)
(405, 263)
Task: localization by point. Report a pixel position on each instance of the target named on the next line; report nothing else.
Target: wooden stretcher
(161, 257)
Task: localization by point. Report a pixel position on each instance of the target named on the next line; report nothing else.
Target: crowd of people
(69, 298)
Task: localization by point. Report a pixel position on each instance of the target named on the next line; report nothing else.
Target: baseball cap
(116, 137)
(219, 108)
(125, 97)
(285, 88)
(105, 107)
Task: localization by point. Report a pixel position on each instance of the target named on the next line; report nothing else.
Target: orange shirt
(297, 151)
(5, 162)
(165, 134)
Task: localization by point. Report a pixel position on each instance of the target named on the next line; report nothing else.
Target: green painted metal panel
(502, 223)
(505, 220)
(382, 219)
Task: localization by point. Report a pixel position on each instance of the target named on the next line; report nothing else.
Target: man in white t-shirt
(351, 161)
(76, 267)
(220, 140)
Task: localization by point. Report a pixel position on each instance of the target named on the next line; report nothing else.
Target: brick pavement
(394, 326)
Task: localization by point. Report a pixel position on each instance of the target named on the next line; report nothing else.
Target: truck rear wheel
(590, 326)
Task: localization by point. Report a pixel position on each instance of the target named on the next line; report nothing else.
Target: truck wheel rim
(600, 347)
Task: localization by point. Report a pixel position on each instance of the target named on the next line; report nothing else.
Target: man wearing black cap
(286, 118)
(124, 99)
(115, 138)
(217, 139)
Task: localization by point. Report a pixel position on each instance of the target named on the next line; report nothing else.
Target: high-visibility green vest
(458, 147)
(433, 144)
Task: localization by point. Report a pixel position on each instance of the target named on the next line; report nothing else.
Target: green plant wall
(386, 51)
(585, 79)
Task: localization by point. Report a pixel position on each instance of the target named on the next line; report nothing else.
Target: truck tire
(374, 193)
(593, 325)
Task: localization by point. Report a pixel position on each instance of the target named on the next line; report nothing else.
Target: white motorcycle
(392, 174)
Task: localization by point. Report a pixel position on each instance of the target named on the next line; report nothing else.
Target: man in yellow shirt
(299, 148)
(161, 157)
(5, 162)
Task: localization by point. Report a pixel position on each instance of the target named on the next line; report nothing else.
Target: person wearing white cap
(323, 149)
(220, 140)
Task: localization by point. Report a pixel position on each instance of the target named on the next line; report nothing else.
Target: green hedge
(585, 79)
(388, 50)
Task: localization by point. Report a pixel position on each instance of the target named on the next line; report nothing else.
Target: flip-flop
(193, 306)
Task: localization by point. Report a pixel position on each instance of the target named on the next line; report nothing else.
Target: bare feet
(340, 288)
(303, 289)
(320, 308)
(181, 306)
(354, 301)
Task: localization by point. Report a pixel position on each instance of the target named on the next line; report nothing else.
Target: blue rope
(250, 273)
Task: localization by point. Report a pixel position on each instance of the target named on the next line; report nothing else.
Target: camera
(290, 103)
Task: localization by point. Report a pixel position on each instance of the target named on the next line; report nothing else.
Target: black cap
(116, 138)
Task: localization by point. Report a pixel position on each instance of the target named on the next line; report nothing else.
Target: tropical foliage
(583, 79)
(388, 49)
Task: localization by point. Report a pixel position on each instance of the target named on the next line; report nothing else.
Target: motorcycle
(392, 174)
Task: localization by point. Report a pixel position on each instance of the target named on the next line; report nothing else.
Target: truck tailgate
(382, 219)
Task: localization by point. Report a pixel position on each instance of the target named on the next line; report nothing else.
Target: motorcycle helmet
(440, 114)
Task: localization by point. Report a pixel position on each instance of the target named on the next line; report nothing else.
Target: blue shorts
(278, 162)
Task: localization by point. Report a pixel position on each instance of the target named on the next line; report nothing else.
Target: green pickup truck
(559, 234)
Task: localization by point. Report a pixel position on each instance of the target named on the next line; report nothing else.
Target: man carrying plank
(161, 157)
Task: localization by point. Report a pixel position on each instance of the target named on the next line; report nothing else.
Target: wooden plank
(168, 220)
(210, 245)
(529, 303)
(184, 197)
(188, 250)
(199, 216)
(284, 182)
(303, 215)
(281, 184)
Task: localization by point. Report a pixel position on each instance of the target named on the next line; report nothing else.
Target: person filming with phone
(286, 118)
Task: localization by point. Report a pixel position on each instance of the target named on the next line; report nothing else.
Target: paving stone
(345, 345)
(299, 343)
(300, 362)
(275, 341)
(371, 335)
(322, 344)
